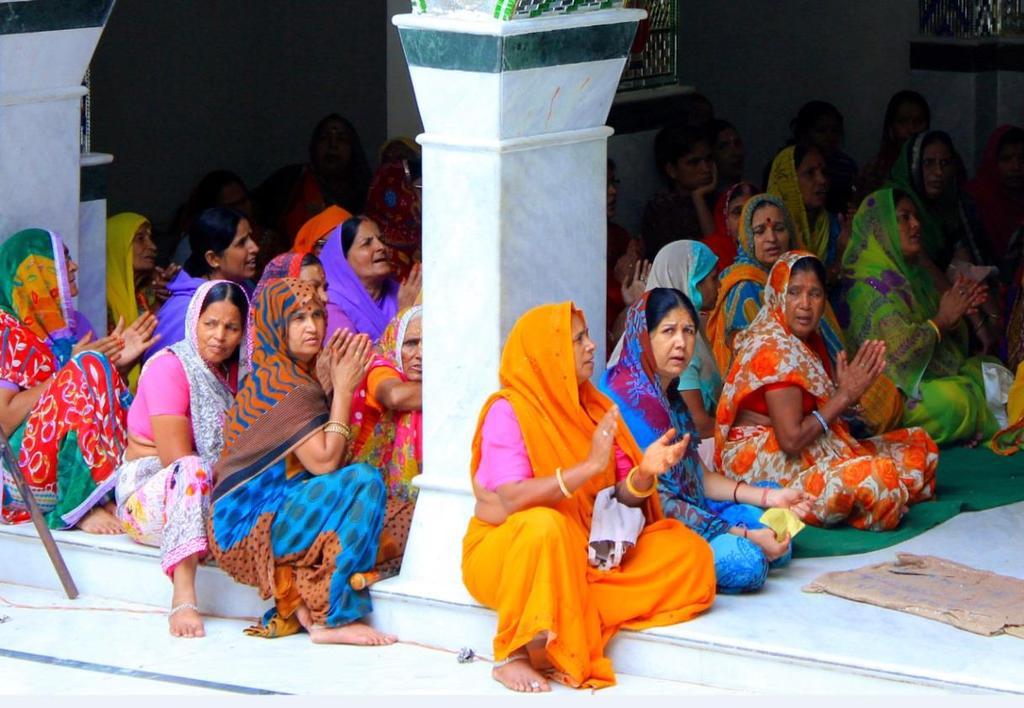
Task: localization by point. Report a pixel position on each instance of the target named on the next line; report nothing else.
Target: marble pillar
(514, 184)
(45, 48)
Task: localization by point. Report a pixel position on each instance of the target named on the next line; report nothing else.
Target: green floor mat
(968, 480)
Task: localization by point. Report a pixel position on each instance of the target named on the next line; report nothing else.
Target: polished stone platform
(780, 640)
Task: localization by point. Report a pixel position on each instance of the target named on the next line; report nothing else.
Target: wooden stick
(38, 519)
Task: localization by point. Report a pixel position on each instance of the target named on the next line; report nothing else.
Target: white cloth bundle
(614, 529)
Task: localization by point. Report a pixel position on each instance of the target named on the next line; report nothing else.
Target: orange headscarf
(557, 417)
(767, 352)
(318, 227)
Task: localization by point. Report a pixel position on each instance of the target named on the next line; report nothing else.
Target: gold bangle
(561, 483)
(336, 426)
(636, 492)
(938, 332)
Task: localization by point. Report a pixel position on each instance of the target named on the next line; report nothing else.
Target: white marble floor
(779, 640)
(50, 645)
(804, 628)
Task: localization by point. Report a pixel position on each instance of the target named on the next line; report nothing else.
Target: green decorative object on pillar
(514, 9)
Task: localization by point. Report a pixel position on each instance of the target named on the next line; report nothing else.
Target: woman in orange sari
(548, 447)
(779, 415)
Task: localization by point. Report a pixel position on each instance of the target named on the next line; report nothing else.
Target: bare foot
(353, 633)
(186, 623)
(99, 520)
(519, 675)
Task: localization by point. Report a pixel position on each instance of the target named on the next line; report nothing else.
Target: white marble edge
(531, 142)
(438, 483)
(650, 94)
(482, 23)
(92, 159)
(59, 93)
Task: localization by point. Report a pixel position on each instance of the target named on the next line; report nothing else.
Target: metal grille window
(653, 59)
(971, 19)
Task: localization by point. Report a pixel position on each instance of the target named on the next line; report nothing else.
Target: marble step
(777, 641)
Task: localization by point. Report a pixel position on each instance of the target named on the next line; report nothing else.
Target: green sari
(886, 297)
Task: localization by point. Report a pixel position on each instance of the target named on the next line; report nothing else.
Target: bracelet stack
(938, 332)
(336, 426)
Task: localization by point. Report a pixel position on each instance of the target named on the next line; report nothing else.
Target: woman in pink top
(175, 435)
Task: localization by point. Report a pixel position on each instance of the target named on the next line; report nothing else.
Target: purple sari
(349, 305)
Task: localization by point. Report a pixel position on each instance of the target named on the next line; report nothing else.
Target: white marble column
(514, 173)
(45, 48)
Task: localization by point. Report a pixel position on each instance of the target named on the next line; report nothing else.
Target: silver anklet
(183, 606)
(510, 658)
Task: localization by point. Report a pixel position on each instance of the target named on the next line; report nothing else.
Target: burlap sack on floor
(976, 600)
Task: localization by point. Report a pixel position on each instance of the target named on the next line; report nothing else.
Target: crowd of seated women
(806, 347)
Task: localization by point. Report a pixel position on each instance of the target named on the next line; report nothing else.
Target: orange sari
(532, 568)
(864, 483)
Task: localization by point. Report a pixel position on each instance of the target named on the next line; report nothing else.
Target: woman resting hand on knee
(546, 445)
(661, 337)
(289, 516)
(175, 435)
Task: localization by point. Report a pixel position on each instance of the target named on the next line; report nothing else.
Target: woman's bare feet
(100, 520)
(519, 675)
(184, 620)
(353, 633)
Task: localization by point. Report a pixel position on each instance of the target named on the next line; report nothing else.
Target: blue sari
(299, 538)
(634, 385)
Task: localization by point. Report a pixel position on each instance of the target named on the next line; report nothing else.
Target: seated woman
(779, 414)
(62, 403)
(312, 237)
(361, 294)
(927, 172)
(727, 149)
(764, 234)
(337, 173)
(222, 249)
(387, 429)
(799, 177)
(727, 222)
(906, 115)
(175, 435)
(890, 296)
(1010, 439)
(690, 267)
(131, 266)
(287, 516)
(681, 211)
(998, 191)
(955, 243)
(661, 335)
(820, 124)
(546, 444)
(394, 203)
(388, 419)
(303, 266)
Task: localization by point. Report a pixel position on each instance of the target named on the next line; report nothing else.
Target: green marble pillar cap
(24, 16)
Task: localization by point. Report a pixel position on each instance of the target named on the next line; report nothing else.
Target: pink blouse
(503, 456)
(163, 390)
